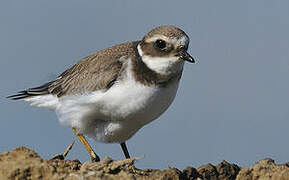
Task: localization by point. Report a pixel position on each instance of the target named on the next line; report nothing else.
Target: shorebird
(112, 93)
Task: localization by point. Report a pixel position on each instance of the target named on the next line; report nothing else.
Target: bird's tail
(31, 92)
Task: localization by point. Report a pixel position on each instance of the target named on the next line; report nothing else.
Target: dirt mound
(23, 163)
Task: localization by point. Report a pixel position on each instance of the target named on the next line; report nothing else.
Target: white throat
(162, 65)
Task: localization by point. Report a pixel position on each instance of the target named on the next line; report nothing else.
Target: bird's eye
(161, 44)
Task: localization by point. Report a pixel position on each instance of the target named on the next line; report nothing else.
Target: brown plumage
(95, 72)
(168, 31)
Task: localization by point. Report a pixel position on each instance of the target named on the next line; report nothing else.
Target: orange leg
(82, 139)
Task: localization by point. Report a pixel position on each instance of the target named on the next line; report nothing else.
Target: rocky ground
(23, 163)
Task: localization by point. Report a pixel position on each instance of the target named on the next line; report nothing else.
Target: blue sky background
(231, 105)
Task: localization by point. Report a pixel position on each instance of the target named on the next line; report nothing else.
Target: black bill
(184, 55)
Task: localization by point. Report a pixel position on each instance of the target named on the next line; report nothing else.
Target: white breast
(116, 115)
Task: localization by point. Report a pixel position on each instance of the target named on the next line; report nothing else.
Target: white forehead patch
(183, 41)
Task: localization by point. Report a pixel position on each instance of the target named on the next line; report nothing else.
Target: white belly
(117, 114)
(113, 115)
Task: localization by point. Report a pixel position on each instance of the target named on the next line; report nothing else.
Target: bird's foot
(95, 158)
(63, 155)
(135, 170)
